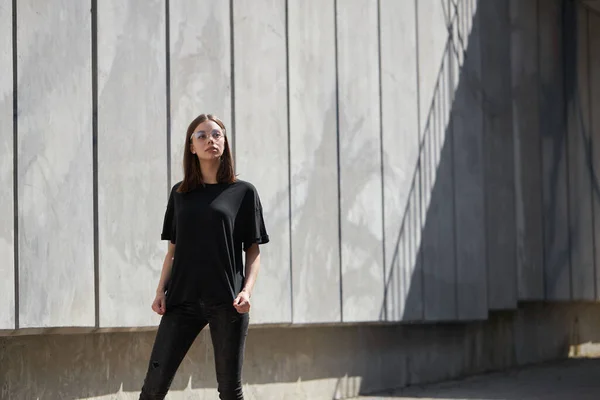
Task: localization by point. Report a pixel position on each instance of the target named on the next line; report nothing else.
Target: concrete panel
(360, 161)
(314, 172)
(436, 87)
(400, 136)
(261, 117)
(550, 122)
(468, 160)
(581, 222)
(55, 185)
(200, 66)
(500, 218)
(7, 267)
(432, 16)
(528, 163)
(594, 53)
(132, 158)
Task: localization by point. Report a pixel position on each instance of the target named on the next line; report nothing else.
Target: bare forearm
(165, 273)
(252, 267)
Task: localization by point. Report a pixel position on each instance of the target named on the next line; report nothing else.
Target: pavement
(573, 379)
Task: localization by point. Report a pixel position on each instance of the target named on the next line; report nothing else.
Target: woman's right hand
(159, 304)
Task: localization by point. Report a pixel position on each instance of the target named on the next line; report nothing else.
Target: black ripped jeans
(178, 329)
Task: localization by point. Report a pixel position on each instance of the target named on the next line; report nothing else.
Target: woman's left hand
(242, 302)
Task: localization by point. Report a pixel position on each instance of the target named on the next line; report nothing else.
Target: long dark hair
(192, 175)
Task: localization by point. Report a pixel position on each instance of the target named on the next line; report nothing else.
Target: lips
(213, 148)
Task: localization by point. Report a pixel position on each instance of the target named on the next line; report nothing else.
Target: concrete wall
(343, 194)
(425, 161)
(441, 174)
(7, 234)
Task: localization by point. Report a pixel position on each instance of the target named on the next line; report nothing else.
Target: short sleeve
(169, 222)
(254, 223)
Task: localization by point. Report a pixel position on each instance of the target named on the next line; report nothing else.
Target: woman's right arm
(158, 305)
(166, 269)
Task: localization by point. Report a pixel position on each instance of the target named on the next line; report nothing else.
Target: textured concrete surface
(410, 229)
(528, 162)
(594, 46)
(132, 179)
(55, 198)
(200, 74)
(360, 161)
(554, 157)
(579, 168)
(566, 380)
(314, 172)
(468, 159)
(7, 267)
(308, 363)
(433, 36)
(592, 4)
(261, 142)
(436, 177)
(400, 143)
(499, 160)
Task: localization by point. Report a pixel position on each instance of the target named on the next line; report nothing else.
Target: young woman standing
(211, 220)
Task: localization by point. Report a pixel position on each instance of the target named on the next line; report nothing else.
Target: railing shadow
(422, 277)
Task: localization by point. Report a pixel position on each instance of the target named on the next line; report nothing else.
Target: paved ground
(575, 379)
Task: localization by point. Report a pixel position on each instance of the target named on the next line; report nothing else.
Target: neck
(209, 170)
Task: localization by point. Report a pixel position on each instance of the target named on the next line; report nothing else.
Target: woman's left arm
(242, 301)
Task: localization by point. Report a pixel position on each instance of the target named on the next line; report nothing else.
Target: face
(208, 141)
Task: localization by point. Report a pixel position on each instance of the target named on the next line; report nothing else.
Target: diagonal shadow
(422, 274)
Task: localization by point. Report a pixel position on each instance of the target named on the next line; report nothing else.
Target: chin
(211, 157)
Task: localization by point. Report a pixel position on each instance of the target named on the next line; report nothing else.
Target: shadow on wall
(422, 282)
(435, 274)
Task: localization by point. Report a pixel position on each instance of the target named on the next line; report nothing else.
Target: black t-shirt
(210, 227)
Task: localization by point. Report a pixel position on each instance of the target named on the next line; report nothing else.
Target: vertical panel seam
(381, 154)
(339, 182)
(517, 188)
(484, 146)
(94, 49)
(287, 75)
(544, 294)
(449, 98)
(420, 255)
(232, 79)
(591, 146)
(450, 133)
(168, 89)
(479, 100)
(541, 156)
(566, 134)
(15, 163)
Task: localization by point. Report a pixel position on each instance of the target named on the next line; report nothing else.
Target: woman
(210, 218)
